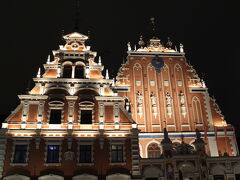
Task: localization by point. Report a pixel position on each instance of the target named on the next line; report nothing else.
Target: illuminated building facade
(156, 121)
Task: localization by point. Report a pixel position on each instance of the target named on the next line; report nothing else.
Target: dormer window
(86, 112)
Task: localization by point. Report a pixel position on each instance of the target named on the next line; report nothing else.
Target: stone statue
(139, 99)
(140, 104)
(168, 99)
(182, 100)
(127, 105)
(153, 99)
(129, 46)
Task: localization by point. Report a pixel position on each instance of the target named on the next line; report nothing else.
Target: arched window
(154, 150)
(67, 71)
(79, 71)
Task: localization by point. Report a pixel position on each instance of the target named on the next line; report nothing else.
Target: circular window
(75, 45)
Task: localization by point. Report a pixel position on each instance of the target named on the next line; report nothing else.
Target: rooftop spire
(152, 19)
(48, 59)
(99, 61)
(39, 73)
(107, 74)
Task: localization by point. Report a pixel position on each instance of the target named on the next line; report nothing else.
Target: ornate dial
(157, 63)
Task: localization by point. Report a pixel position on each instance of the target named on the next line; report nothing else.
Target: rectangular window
(53, 154)
(117, 153)
(55, 116)
(85, 154)
(86, 116)
(20, 154)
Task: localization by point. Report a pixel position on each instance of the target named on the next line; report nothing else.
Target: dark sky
(31, 29)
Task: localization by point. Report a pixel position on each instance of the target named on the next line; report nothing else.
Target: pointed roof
(75, 35)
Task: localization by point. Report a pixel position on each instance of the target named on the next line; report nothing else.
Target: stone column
(73, 71)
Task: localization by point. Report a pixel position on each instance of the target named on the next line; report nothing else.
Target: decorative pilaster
(116, 115)
(101, 112)
(38, 138)
(25, 111)
(40, 111)
(73, 71)
(71, 104)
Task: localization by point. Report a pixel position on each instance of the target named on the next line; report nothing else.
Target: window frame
(55, 141)
(22, 141)
(53, 151)
(89, 141)
(118, 141)
(55, 105)
(153, 150)
(86, 105)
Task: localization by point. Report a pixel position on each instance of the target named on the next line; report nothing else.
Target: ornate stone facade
(156, 121)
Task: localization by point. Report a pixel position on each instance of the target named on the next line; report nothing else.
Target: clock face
(157, 63)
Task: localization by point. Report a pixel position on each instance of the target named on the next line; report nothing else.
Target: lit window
(154, 151)
(20, 154)
(53, 154)
(85, 154)
(117, 153)
(86, 117)
(55, 116)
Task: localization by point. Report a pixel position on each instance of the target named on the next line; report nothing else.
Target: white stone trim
(25, 111)
(85, 177)
(16, 176)
(233, 146)
(51, 177)
(40, 111)
(118, 176)
(213, 146)
(208, 111)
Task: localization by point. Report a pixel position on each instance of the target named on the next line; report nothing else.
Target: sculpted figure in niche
(168, 99)
(182, 100)
(127, 105)
(153, 99)
(139, 99)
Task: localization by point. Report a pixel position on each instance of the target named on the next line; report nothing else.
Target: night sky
(31, 29)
